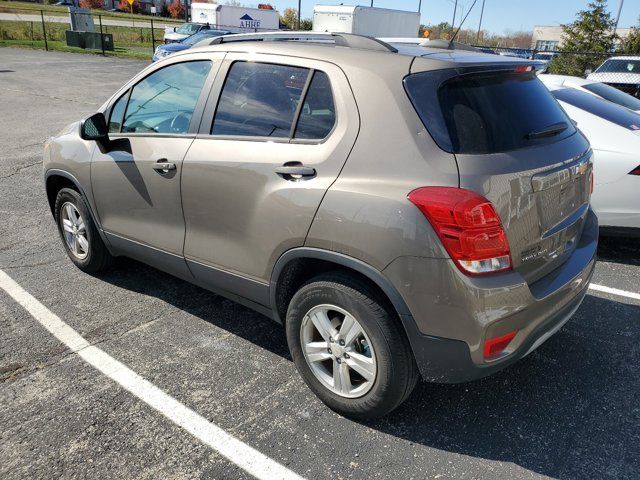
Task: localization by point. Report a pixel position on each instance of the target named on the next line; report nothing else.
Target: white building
(550, 38)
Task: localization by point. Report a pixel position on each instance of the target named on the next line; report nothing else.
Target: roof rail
(341, 39)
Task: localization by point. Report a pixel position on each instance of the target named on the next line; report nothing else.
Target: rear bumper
(452, 315)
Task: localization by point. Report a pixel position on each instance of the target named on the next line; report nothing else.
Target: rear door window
(259, 100)
(487, 112)
(597, 106)
(318, 114)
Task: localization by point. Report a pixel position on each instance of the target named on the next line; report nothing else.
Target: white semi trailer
(371, 21)
(235, 19)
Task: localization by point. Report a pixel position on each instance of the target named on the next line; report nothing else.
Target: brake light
(635, 171)
(524, 68)
(468, 226)
(493, 347)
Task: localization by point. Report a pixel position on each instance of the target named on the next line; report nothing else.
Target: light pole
(419, 6)
(615, 27)
(299, 2)
(453, 22)
(480, 24)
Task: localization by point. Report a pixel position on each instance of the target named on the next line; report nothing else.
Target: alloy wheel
(338, 351)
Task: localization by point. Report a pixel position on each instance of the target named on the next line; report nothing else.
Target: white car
(175, 34)
(614, 134)
(620, 72)
(594, 88)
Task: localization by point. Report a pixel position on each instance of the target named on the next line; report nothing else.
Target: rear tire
(79, 233)
(389, 371)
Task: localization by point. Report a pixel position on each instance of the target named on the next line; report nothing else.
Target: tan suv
(403, 211)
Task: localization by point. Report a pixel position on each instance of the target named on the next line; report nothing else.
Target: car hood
(615, 77)
(174, 47)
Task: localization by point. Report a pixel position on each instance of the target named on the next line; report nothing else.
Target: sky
(499, 15)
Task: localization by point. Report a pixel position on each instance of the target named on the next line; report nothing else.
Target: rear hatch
(516, 146)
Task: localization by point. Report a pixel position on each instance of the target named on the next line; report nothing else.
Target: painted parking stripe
(236, 451)
(614, 291)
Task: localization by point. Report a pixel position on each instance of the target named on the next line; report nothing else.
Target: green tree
(306, 24)
(631, 43)
(591, 32)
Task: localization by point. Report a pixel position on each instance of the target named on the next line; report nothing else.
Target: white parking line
(236, 451)
(614, 291)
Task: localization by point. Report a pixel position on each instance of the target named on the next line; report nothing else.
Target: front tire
(79, 234)
(349, 347)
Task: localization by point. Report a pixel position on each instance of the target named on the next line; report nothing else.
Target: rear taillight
(635, 171)
(493, 347)
(468, 226)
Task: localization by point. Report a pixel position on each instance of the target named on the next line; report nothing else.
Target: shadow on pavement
(569, 410)
(619, 250)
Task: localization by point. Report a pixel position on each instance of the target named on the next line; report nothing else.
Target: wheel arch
(55, 180)
(298, 265)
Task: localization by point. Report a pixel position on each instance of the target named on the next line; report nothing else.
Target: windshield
(619, 66)
(488, 112)
(601, 108)
(188, 29)
(613, 95)
(193, 39)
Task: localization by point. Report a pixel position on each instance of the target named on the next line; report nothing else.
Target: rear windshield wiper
(548, 131)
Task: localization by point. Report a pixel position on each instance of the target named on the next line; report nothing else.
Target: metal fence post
(153, 37)
(44, 31)
(101, 37)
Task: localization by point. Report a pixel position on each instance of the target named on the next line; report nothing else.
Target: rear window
(613, 95)
(488, 112)
(597, 106)
(619, 65)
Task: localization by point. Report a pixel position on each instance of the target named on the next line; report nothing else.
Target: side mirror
(95, 128)
(175, 28)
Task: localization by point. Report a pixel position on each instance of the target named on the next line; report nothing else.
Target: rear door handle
(163, 167)
(290, 172)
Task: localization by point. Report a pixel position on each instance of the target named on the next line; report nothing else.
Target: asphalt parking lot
(569, 410)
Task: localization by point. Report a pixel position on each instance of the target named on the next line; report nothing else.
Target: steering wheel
(180, 123)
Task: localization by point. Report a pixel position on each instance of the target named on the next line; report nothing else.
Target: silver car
(403, 211)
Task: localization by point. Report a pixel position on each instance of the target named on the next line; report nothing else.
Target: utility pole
(480, 24)
(615, 27)
(299, 3)
(419, 6)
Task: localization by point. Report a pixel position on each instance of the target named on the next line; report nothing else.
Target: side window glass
(318, 114)
(259, 99)
(164, 101)
(115, 120)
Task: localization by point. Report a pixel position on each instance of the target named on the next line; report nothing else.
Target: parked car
(167, 49)
(614, 134)
(622, 73)
(175, 34)
(599, 89)
(402, 211)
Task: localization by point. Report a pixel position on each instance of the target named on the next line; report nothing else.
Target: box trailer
(235, 19)
(371, 21)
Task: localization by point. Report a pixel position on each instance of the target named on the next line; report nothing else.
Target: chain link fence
(121, 35)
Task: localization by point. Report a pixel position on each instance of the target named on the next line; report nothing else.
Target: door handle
(294, 172)
(162, 166)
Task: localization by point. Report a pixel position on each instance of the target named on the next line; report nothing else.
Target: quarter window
(318, 114)
(259, 100)
(115, 121)
(165, 100)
